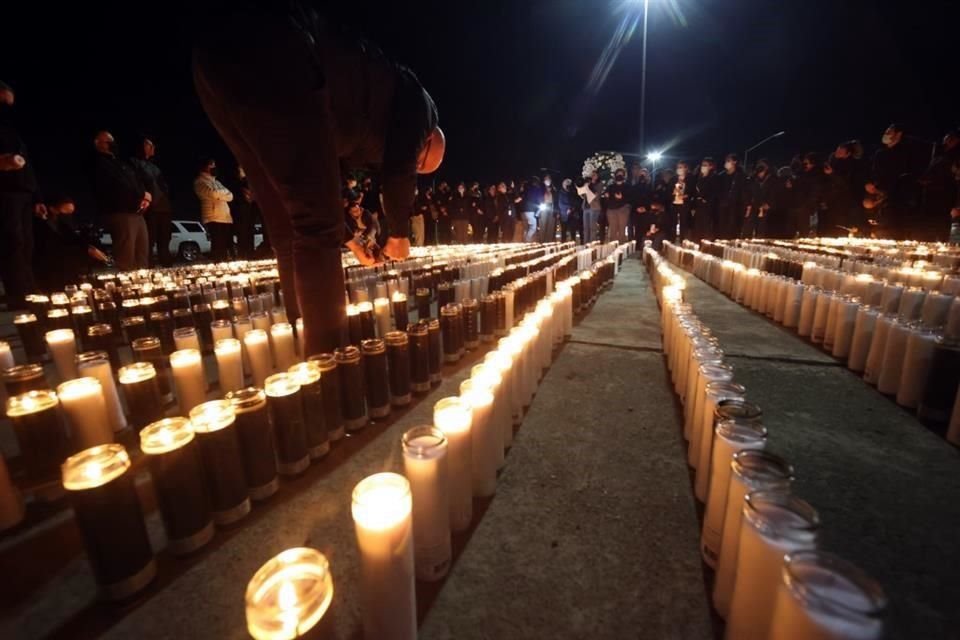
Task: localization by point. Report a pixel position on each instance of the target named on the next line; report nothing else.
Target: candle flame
(92, 471)
(287, 596)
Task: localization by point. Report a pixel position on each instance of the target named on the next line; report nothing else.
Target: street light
(654, 157)
(759, 144)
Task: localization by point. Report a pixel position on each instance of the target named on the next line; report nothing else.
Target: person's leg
(121, 236)
(141, 242)
(15, 263)
(530, 226)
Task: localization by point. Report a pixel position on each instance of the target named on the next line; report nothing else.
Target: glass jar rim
(760, 509)
(168, 434)
(424, 442)
(246, 399)
(94, 467)
(874, 601)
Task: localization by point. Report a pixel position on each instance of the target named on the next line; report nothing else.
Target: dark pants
(16, 247)
(244, 232)
(131, 243)
(444, 230)
(221, 240)
(262, 86)
(493, 232)
(158, 233)
(567, 230)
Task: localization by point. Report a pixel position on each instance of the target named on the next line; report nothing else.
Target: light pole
(759, 144)
(643, 78)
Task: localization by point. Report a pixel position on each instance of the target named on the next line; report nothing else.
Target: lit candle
(285, 406)
(307, 375)
(751, 470)
(149, 350)
(774, 524)
(242, 326)
(330, 387)
(436, 351)
(255, 434)
(401, 316)
(846, 320)
(258, 350)
(12, 507)
(261, 320)
(288, 595)
(63, 349)
(186, 338)
(29, 331)
(278, 315)
(893, 355)
(863, 329)
(419, 355)
(485, 441)
(368, 325)
(354, 334)
(823, 597)
(220, 330)
(86, 411)
(452, 417)
(229, 364)
(703, 415)
(284, 349)
(382, 517)
(381, 310)
(874, 363)
(376, 377)
(425, 465)
(40, 434)
(214, 423)
(177, 473)
(353, 406)
(188, 378)
(108, 513)
(917, 361)
(142, 392)
(727, 400)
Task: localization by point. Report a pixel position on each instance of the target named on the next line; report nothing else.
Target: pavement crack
(622, 347)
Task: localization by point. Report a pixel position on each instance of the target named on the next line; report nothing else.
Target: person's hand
(97, 255)
(397, 248)
(40, 210)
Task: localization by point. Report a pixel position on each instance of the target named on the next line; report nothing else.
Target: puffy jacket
(213, 199)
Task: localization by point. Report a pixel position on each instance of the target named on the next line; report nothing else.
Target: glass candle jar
(368, 325)
(354, 332)
(58, 319)
(452, 417)
(774, 524)
(423, 303)
(96, 364)
(307, 375)
(31, 335)
(215, 425)
(255, 434)
(285, 406)
(186, 338)
(353, 404)
(203, 315)
(424, 465)
(398, 360)
(471, 324)
(150, 350)
(183, 318)
(138, 382)
(133, 328)
(221, 310)
(401, 317)
(220, 330)
(330, 386)
(419, 354)
(108, 514)
(86, 411)
(451, 325)
(177, 472)
(488, 318)
(63, 349)
(39, 430)
(288, 595)
(189, 378)
(21, 378)
(436, 351)
(376, 378)
(823, 597)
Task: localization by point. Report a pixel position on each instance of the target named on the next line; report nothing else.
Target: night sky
(510, 79)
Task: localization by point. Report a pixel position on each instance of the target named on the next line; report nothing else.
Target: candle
(142, 392)
(215, 425)
(24, 377)
(863, 330)
(284, 348)
(96, 364)
(471, 324)
(255, 434)
(58, 319)
(40, 434)
(220, 330)
(242, 326)
(425, 465)
(307, 375)
(398, 361)
(229, 364)
(774, 524)
(911, 303)
(452, 417)
(731, 437)
(278, 314)
(703, 415)
(823, 597)
(917, 361)
(186, 338)
(188, 378)
(750, 470)
(86, 411)
(353, 406)
(203, 315)
(401, 317)
(63, 349)
(821, 317)
(893, 355)
(354, 332)
(12, 508)
(221, 311)
(288, 595)
(726, 399)
(422, 295)
(108, 514)
(491, 376)
(846, 320)
(368, 326)
(99, 337)
(258, 350)
(330, 387)
(149, 350)
(376, 377)
(808, 310)
(874, 363)
(29, 331)
(381, 309)
(436, 351)
(285, 407)
(382, 518)
(177, 473)
(486, 445)
(239, 306)
(133, 328)
(261, 320)
(419, 355)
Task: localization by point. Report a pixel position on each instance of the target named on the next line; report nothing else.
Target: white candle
(807, 311)
(774, 524)
(846, 320)
(229, 364)
(6, 356)
(188, 378)
(893, 356)
(916, 367)
(821, 317)
(86, 411)
(425, 465)
(261, 320)
(823, 597)
(258, 349)
(97, 365)
(278, 315)
(874, 364)
(452, 417)
(11, 501)
(485, 440)
(63, 349)
(242, 326)
(703, 415)
(284, 350)
(186, 338)
(220, 330)
(300, 340)
(863, 329)
(381, 309)
(487, 376)
(507, 400)
(382, 518)
(288, 595)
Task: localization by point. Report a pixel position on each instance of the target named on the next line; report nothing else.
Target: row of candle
(771, 580)
(905, 340)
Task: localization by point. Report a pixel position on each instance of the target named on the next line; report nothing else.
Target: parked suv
(188, 239)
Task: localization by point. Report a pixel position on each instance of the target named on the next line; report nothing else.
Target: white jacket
(213, 199)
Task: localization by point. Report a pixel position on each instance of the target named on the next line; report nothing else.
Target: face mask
(681, 173)
(547, 182)
(619, 178)
(704, 171)
(728, 166)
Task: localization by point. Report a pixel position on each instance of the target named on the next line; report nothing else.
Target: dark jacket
(731, 190)
(421, 205)
(461, 206)
(152, 178)
(617, 195)
(896, 170)
(58, 236)
(116, 186)
(533, 197)
(569, 203)
(641, 195)
(352, 228)
(441, 199)
(23, 180)
(708, 191)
